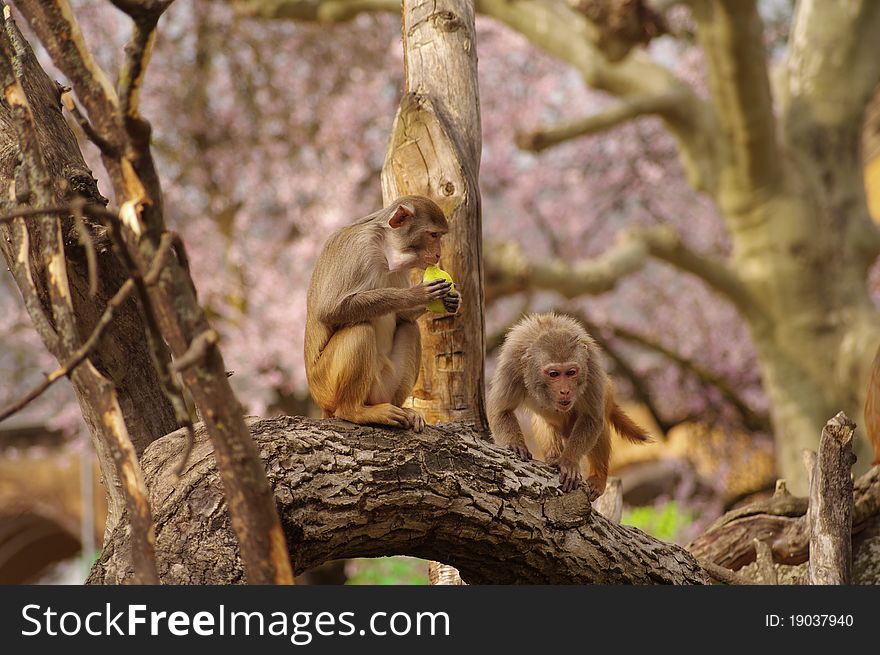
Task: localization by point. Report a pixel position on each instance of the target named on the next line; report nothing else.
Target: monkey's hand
(569, 475)
(426, 292)
(451, 302)
(417, 421)
(521, 451)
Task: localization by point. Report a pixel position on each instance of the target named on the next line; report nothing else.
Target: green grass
(666, 522)
(387, 571)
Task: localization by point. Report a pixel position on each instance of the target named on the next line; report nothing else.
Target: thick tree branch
(545, 137)
(732, 36)
(352, 491)
(509, 271)
(833, 61)
(320, 11)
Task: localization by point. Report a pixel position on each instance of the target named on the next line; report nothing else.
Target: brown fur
(362, 346)
(540, 346)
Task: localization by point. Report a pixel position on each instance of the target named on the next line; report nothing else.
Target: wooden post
(831, 505)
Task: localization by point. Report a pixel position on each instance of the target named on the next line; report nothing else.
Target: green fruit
(434, 273)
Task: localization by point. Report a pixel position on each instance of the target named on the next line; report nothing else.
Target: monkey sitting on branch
(549, 364)
(362, 345)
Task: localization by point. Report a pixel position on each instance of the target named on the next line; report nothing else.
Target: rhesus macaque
(362, 345)
(550, 365)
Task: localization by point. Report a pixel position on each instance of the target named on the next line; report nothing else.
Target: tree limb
(781, 523)
(751, 419)
(509, 271)
(352, 491)
(732, 36)
(542, 138)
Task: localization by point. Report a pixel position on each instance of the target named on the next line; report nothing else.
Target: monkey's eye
(553, 374)
(571, 372)
(435, 235)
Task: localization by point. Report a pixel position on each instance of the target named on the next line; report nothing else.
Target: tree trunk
(435, 151)
(351, 491)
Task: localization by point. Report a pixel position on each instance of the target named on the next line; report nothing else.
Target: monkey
(549, 364)
(362, 344)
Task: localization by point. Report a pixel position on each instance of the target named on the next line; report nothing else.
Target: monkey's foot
(382, 414)
(417, 421)
(595, 487)
(521, 451)
(569, 475)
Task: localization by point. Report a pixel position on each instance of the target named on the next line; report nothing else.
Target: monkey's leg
(344, 376)
(406, 355)
(598, 458)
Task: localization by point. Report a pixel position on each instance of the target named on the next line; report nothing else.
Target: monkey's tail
(626, 427)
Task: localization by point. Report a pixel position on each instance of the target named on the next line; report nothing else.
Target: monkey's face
(562, 381)
(418, 225)
(428, 248)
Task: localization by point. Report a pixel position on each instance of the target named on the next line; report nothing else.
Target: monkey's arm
(507, 393)
(585, 435)
(360, 306)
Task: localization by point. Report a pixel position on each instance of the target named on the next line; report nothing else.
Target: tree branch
(781, 523)
(545, 137)
(320, 11)
(751, 419)
(509, 271)
(732, 36)
(353, 491)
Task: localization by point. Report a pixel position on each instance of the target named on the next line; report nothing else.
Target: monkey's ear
(401, 215)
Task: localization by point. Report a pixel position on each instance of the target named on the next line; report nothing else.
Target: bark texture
(831, 505)
(352, 491)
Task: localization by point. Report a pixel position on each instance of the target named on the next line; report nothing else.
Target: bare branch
(198, 350)
(509, 271)
(78, 357)
(751, 419)
(545, 137)
(321, 11)
(55, 25)
(106, 148)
